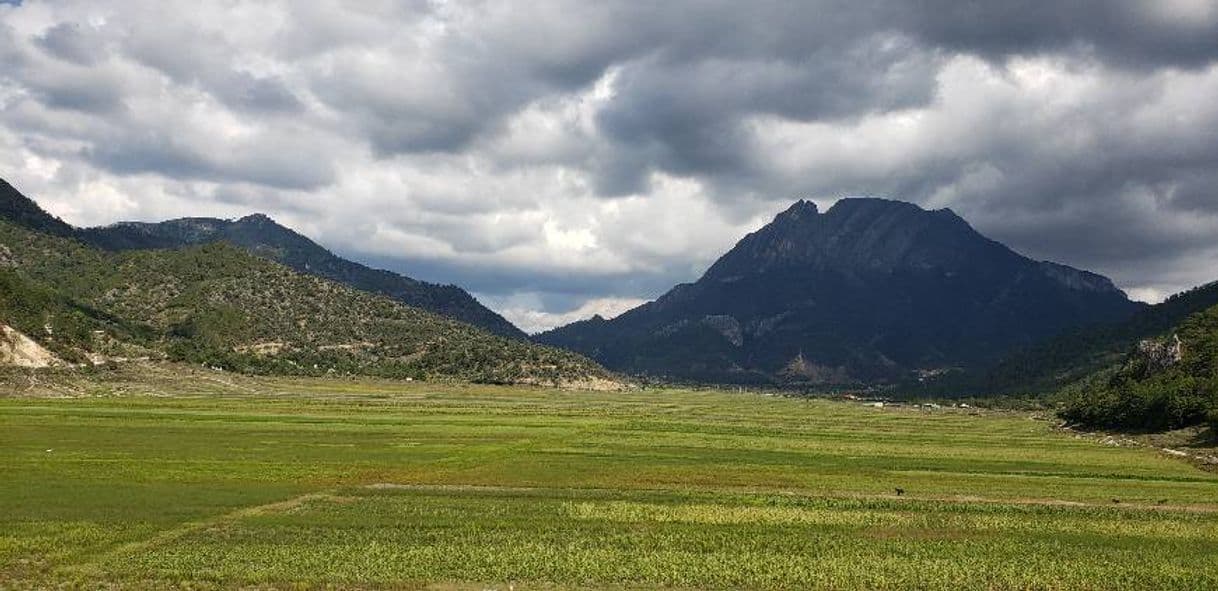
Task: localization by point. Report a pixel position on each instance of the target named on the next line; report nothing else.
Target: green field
(220, 483)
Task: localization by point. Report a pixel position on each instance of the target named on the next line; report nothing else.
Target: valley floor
(174, 480)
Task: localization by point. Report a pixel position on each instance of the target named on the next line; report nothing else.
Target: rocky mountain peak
(870, 289)
(260, 219)
(801, 209)
(859, 234)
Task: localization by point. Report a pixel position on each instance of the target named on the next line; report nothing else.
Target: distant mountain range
(65, 301)
(870, 290)
(263, 237)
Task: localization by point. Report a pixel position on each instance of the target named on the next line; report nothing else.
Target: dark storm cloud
(1121, 33)
(453, 87)
(574, 150)
(844, 59)
(254, 199)
(210, 67)
(1194, 191)
(288, 167)
(80, 94)
(70, 42)
(690, 69)
(687, 116)
(60, 82)
(259, 94)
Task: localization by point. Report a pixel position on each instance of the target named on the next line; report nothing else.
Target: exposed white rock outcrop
(18, 350)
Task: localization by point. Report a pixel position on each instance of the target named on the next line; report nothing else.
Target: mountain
(1050, 365)
(260, 235)
(870, 290)
(1166, 382)
(221, 306)
(21, 210)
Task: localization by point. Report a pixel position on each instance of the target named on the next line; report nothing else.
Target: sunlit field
(180, 482)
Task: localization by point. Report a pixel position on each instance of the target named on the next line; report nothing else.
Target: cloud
(73, 43)
(564, 159)
(1128, 34)
(528, 310)
(1080, 164)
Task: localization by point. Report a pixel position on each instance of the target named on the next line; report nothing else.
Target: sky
(560, 159)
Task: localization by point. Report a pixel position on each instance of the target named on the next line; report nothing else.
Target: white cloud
(1149, 295)
(592, 155)
(527, 312)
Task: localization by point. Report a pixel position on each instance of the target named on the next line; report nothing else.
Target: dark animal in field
(1162, 501)
(900, 491)
(1116, 500)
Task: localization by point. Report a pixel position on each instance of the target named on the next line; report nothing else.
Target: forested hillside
(268, 239)
(1050, 365)
(262, 236)
(1164, 383)
(221, 306)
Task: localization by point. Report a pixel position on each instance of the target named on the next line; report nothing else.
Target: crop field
(184, 482)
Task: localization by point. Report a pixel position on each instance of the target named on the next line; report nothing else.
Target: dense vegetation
(1157, 387)
(263, 237)
(18, 209)
(74, 332)
(220, 306)
(1052, 364)
(305, 483)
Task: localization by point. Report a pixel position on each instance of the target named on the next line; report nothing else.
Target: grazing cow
(1116, 500)
(900, 491)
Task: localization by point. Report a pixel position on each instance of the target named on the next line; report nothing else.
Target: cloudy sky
(565, 158)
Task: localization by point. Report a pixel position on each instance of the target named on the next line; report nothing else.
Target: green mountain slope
(1164, 383)
(264, 237)
(20, 210)
(1050, 365)
(222, 306)
(73, 332)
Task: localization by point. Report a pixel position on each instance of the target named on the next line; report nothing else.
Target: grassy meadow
(204, 481)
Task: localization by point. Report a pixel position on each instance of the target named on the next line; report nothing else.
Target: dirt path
(96, 566)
